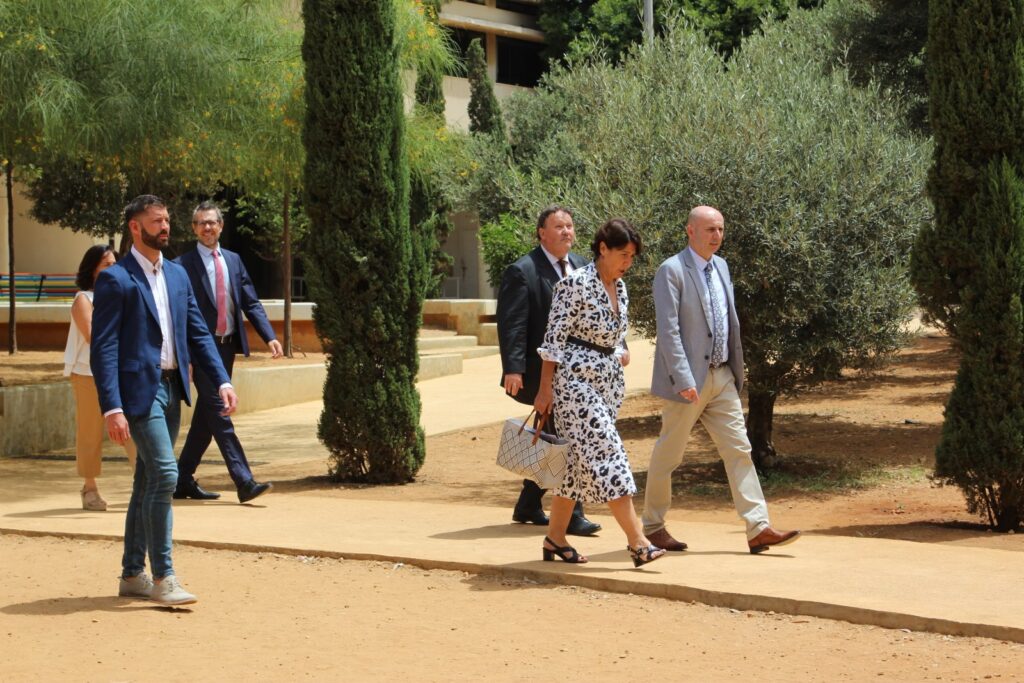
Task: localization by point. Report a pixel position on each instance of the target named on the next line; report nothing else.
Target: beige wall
(39, 248)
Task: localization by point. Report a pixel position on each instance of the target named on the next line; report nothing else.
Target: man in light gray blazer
(698, 371)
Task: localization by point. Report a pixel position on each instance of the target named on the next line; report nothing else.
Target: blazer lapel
(232, 262)
(194, 262)
(135, 270)
(697, 278)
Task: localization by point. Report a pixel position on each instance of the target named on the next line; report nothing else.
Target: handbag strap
(540, 427)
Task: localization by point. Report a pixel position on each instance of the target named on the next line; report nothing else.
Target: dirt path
(269, 617)
(275, 618)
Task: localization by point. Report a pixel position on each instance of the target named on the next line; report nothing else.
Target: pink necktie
(222, 294)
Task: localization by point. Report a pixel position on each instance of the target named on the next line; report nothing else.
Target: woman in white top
(89, 420)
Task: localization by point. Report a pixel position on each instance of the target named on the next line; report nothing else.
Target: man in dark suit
(146, 330)
(524, 301)
(223, 292)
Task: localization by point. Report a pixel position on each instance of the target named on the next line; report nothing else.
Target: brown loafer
(662, 539)
(769, 537)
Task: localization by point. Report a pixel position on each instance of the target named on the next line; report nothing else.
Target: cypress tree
(360, 249)
(430, 82)
(969, 266)
(484, 111)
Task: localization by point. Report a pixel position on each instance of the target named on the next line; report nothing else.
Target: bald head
(705, 226)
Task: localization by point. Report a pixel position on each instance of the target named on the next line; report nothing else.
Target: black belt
(720, 365)
(225, 339)
(168, 375)
(606, 350)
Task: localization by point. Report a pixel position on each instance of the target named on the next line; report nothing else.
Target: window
(463, 38)
(519, 62)
(530, 8)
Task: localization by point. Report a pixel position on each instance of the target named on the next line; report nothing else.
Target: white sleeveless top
(76, 353)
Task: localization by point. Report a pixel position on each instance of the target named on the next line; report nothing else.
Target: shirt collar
(146, 265)
(698, 259)
(205, 250)
(553, 259)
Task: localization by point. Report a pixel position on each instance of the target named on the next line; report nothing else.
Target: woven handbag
(532, 453)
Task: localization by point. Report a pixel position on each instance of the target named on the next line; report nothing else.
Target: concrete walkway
(933, 587)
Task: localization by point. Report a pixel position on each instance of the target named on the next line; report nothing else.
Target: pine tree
(484, 111)
(969, 266)
(360, 249)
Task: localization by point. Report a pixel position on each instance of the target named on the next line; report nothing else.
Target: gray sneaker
(168, 591)
(140, 586)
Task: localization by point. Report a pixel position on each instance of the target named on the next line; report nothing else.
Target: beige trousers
(90, 427)
(721, 413)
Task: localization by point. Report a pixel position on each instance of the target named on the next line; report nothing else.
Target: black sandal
(642, 556)
(566, 553)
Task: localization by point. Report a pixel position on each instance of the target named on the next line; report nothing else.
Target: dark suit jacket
(524, 301)
(243, 294)
(126, 339)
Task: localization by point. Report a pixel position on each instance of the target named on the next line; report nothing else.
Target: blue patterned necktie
(718, 347)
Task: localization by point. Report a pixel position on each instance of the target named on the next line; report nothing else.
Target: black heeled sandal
(642, 556)
(566, 553)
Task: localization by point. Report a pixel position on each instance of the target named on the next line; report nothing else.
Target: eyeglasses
(206, 224)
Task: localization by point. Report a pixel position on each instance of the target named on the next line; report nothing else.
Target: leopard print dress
(589, 386)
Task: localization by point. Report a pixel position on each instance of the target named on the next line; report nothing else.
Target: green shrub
(360, 252)
(969, 266)
(820, 183)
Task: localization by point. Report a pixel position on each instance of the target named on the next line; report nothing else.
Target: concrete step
(466, 352)
(439, 343)
(437, 365)
(487, 335)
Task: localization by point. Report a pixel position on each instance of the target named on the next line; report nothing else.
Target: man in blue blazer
(223, 292)
(698, 371)
(146, 330)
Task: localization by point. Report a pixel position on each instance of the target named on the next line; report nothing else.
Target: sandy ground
(272, 617)
(335, 620)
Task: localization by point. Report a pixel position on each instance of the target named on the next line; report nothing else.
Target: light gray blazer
(683, 353)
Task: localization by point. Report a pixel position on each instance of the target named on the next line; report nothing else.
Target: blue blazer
(243, 295)
(126, 339)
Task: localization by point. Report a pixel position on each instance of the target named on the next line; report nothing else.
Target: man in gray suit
(698, 371)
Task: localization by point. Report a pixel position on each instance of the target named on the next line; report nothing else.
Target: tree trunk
(286, 272)
(761, 405)
(12, 327)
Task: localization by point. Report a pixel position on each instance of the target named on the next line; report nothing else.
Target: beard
(157, 241)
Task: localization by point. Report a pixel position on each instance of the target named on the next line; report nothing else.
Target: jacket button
(707, 357)
(709, 335)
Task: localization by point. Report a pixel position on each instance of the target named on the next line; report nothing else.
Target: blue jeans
(147, 525)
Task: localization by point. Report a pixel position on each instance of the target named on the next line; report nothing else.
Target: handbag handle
(540, 427)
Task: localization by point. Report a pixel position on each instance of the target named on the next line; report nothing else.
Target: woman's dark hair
(616, 234)
(93, 255)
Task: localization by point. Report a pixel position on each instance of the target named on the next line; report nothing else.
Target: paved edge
(681, 593)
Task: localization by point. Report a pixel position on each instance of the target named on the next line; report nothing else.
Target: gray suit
(682, 360)
(684, 326)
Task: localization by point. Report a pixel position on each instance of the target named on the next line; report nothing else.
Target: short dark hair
(93, 255)
(616, 233)
(548, 211)
(208, 205)
(140, 204)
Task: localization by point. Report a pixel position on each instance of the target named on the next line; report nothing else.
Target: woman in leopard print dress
(582, 377)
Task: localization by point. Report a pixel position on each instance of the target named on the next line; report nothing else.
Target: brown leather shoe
(769, 537)
(662, 539)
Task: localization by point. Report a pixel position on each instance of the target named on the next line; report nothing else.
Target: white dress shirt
(554, 263)
(723, 303)
(158, 284)
(211, 273)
